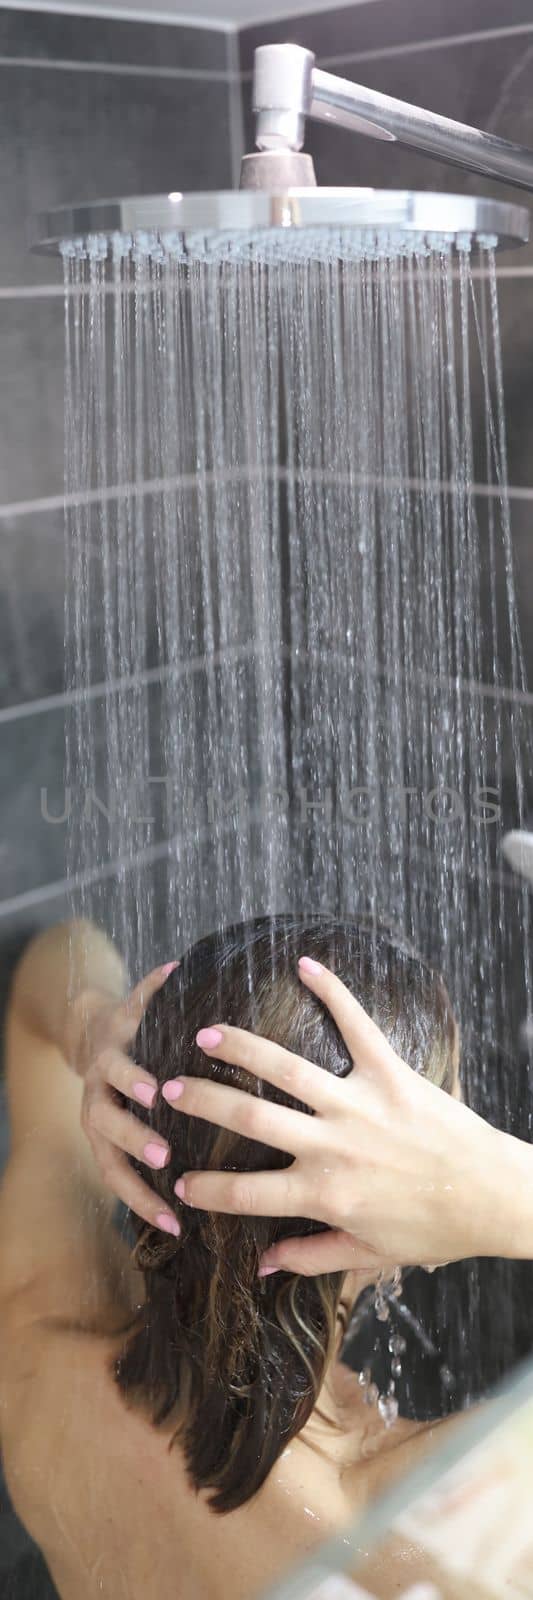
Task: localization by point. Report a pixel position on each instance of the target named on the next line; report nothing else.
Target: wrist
(520, 1200)
(508, 1230)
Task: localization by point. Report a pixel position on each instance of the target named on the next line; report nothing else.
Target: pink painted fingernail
(309, 965)
(144, 1093)
(156, 1155)
(172, 1089)
(179, 1188)
(264, 1272)
(208, 1038)
(170, 1224)
(170, 967)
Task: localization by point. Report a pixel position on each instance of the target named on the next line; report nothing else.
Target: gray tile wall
(91, 107)
(88, 108)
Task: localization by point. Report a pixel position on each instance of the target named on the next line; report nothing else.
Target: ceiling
(226, 14)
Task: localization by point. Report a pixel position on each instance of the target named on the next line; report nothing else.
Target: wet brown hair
(238, 1361)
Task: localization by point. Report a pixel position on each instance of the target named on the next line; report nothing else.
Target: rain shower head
(280, 213)
(296, 224)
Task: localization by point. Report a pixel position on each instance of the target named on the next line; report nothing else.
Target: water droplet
(388, 1409)
(397, 1344)
(447, 1378)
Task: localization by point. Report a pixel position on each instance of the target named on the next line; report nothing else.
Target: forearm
(63, 973)
(509, 1222)
(44, 1039)
(57, 1209)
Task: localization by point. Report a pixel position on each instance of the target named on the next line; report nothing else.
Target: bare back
(111, 1508)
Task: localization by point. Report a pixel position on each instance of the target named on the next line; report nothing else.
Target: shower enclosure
(272, 446)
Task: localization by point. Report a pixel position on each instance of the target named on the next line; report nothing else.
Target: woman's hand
(399, 1170)
(99, 1030)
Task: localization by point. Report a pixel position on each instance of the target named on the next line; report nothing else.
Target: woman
(243, 1442)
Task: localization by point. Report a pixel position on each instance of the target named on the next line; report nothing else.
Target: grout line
(39, 291)
(119, 69)
(236, 110)
(109, 686)
(95, 497)
(444, 42)
(124, 13)
(417, 46)
(189, 481)
(71, 697)
(68, 698)
(505, 272)
(57, 291)
(65, 887)
(83, 880)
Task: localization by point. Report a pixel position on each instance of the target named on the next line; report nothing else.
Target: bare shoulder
(56, 1392)
(58, 1332)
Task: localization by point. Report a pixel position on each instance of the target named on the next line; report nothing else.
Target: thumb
(331, 1251)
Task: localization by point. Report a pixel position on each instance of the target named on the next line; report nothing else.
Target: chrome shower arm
(288, 87)
(339, 101)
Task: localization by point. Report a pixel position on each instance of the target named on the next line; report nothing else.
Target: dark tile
(47, 809)
(383, 24)
(516, 322)
(33, 803)
(32, 850)
(522, 543)
(31, 399)
(36, 561)
(81, 136)
(32, 598)
(33, 627)
(46, 36)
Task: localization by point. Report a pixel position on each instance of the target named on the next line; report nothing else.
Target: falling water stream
(293, 649)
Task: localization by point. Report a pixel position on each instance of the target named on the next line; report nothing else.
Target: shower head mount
(288, 88)
(280, 213)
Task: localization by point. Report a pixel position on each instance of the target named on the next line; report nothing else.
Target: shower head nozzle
(281, 99)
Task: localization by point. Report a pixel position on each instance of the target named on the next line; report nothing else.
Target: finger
(126, 1184)
(298, 1078)
(132, 1009)
(251, 1194)
(126, 1131)
(333, 1251)
(367, 1044)
(117, 1070)
(244, 1113)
